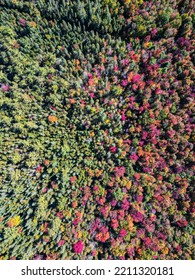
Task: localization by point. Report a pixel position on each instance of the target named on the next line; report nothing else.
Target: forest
(97, 129)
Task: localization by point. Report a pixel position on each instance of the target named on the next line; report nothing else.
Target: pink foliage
(78, 247)
(119, 171)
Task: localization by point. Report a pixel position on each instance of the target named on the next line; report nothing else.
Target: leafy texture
(96, 129)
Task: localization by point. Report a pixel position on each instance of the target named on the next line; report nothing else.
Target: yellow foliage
(13, 222)
(128, 185)
(79, 234)
(32, 23)
(52, 119)
(165, 250)
(120, 142)
(130, 223)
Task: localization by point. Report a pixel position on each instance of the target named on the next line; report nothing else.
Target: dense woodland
(97, 129)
